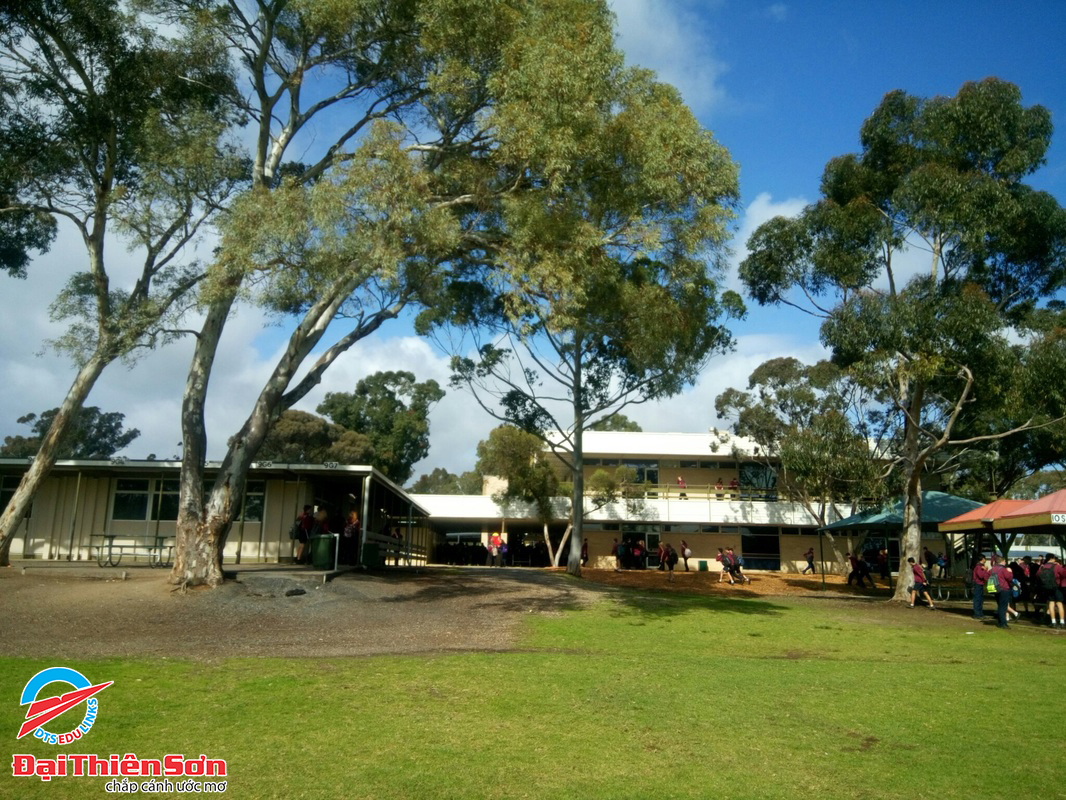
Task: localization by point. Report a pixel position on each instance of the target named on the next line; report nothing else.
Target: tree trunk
(911, 540)
(202, 537)
(562, 543)
(48, 453)
(197, 559)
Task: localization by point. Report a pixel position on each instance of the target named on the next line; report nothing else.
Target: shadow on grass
(656, 607)
(515, 590)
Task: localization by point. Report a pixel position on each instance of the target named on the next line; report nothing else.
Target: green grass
(641, 696)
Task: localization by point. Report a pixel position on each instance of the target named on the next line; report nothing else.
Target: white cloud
(693, 411)
(669, 37)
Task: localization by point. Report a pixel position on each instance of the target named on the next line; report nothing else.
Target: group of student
(1023, 580)
(632, 554)
(732, 566)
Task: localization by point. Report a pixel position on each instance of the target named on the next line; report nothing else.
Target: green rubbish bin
(372, 556)
(324, 551)
(703, 566)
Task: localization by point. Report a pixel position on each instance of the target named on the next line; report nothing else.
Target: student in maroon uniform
(1052, 576)
(726, 571)
(920, 585)
(859, 570)
(1003, 579)
(736, 566)
(980, 578)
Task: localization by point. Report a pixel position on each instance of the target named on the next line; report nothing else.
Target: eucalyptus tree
(93, 434)
(942, 176)
(441, 481)
(596, 288)
(429, 99)
(823, 436)
(531, 476)
(617, 422)
(391, 409)
(107, 128)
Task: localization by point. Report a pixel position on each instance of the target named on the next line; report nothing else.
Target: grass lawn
(643, 696)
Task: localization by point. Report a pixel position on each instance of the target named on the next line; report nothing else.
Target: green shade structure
(936, 508)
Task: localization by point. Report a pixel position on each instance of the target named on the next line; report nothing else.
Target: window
(647, 471)
(131, 499)
(253, 501)
(669, 463)
(757, 476)
(690, 464)
(7, 490)
(681, 528)
(761, 550)
(790, 531)
(165, 500)
(708, 464)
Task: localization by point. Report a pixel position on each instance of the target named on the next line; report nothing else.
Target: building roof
(259, 470)
(1049, 510)
(713, 445)
(936, 507)
(981, 519)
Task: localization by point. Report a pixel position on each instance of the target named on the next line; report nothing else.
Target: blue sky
(784, 86)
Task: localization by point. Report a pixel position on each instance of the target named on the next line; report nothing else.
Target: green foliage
(440, 481)
(626, 203)
(302, 438)
(616, 422)
(815, 428)
(594, 279)
(519, 458)
(91, 435)
(115, 128)
(391, 410)
(940, 349)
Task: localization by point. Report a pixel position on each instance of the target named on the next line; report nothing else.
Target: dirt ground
(67, 611)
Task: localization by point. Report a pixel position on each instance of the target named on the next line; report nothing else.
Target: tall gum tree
(371, 227)
(110, 129)
(822, 435)
(943, 176)
(596, 285)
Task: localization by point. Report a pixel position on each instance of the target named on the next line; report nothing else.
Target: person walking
(920, 587)
(809, 555)
(859, 571)
(980, 578)
(736, 566)
(1052, 577)
(686, 553)
(306, 521)
(671, 560)
(882, 563)
(726, 571)
(1000, 578)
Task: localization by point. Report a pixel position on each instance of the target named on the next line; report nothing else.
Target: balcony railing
(668, 491)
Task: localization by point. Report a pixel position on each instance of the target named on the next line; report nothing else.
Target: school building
(712, 490)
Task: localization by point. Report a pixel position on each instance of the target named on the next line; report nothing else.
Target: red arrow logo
(42, 711)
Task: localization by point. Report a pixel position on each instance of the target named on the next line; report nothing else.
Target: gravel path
(85, 613)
